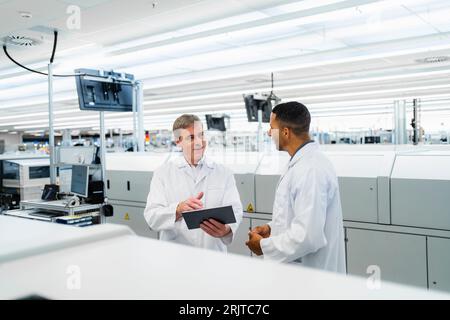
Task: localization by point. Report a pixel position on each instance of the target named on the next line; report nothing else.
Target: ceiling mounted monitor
(104, 90)
(219, 122)
(255, 102)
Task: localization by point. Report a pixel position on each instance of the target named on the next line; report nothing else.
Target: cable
(55, 41)
(271, 92)
(20, 65)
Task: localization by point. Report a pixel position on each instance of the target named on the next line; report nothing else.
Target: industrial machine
(410, 241)
(128, 178)
(364, 184)
(25, 177)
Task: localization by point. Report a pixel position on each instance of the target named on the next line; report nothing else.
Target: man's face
(192, 142)
(276, 132)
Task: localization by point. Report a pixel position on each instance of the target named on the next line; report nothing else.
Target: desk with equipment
(83, 206)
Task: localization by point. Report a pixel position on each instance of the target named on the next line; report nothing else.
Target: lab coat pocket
(214, 197)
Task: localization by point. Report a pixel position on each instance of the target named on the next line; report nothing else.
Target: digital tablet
(223, 215)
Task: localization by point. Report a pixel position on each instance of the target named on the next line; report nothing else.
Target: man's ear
(286, 132)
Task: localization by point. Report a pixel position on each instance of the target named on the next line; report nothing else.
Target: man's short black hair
(293, 115)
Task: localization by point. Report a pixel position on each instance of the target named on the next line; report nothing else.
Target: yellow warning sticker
(250, 208)
(127, 216)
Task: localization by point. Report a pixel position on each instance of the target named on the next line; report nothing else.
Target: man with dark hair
(306, 224)
(188, 182)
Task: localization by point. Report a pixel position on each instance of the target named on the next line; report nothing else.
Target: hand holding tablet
(224, 215)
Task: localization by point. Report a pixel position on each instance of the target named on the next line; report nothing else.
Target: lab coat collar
(182, 162)
(206, 167)
(301, 147)
(305, 149)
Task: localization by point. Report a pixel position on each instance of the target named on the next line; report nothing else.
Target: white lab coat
(174, 182)
(307, 225)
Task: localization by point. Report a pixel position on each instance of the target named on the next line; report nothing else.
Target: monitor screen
(11, 170)
(80, 180)
(109, 91)
(216, 122)
(252, 105)
(39, 172)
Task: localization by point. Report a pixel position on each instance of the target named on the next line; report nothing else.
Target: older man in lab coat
(306, 226)
(189, 182)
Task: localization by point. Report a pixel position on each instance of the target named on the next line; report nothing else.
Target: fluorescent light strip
(40, 66)
(300, 5)
(57, 120)
(37, 114)
(289, 68)
(432, 109)
(94, 119)
(363, 80)
(303, 86)
(42, 101)
(194, 107)
(386, 26)
(78, 116)
(353, 114)
(116, 122)
(381, 107)
(34, 90)
(373, 92)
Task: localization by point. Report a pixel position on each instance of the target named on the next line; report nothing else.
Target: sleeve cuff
(228, 239)
(268, 248)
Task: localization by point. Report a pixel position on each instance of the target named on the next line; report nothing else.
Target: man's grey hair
(183, 122)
